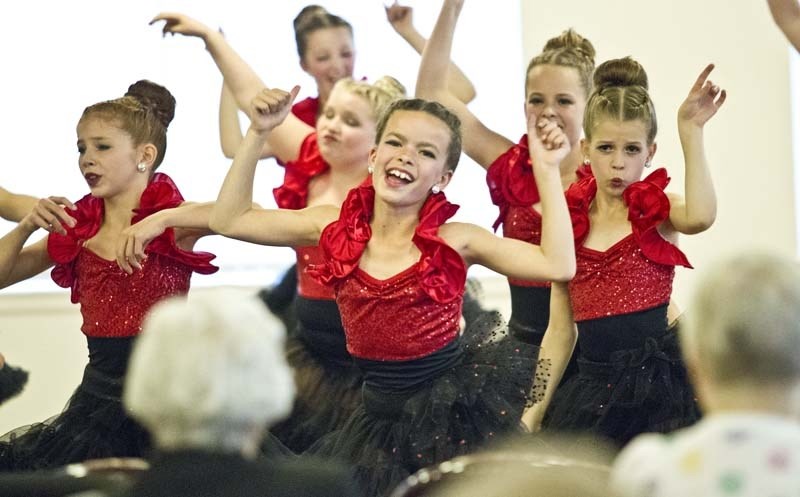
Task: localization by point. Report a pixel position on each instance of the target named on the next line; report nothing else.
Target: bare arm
(554, 259)
(480, 143)
(401, 19)
(230, 131)
(234, 215)
(699, 209)
(557, 347)
(786, 14)
(13, 206)
(243, 82)
(18, 263)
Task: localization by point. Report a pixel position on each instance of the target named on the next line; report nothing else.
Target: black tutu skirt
(629, 392)
(328, 382)
(12, 380)
(472, 391)
(92, 426)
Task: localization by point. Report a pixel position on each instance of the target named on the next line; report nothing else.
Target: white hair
(744, 322)
(209, 371)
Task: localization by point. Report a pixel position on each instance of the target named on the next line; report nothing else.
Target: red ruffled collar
(442, 272)
(161, 193)
(648, 207)
(293, 193)
(510, 180)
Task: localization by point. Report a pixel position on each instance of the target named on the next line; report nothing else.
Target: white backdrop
(72, 54)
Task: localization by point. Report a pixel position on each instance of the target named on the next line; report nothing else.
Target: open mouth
(398, 177)
(91, 179)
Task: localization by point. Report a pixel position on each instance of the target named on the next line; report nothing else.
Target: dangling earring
(435, 189)
(142, 167)
(370, 169)
(648, 164)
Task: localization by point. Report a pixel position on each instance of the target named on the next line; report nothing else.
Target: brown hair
(379, 94)
(312, 18)
(620, 93)
(144, 113)
(569, 49)
(434, 109)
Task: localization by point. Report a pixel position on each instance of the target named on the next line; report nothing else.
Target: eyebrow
(419, 144)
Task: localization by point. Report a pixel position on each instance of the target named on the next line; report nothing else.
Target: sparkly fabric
(306, 110)
(635, 273)
(425, 326)
(428, 294)
(114, 303)
(307, 286)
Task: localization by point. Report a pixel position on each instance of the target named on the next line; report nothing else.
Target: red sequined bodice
(635, 273)
(114, 303)
(308, 286)
(409, 315)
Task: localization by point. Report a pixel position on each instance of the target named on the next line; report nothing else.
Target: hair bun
(571, 40)
(391, 86)
(620, 72)
(307, 15)
(155, 97)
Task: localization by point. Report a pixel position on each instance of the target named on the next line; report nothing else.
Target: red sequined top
(306, 110)
(293, 194)
(513, 189)
(409, 315)
(114, 303)
(635, 273)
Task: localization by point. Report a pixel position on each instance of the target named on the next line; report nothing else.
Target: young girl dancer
(631, 375)
(399, 270)
(121, 142)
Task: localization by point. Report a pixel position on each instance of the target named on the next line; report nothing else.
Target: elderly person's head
(741, 339)
(209, 373)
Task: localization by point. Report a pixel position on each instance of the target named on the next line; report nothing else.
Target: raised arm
(557, 347)
(786, 14)
(234, 215)
(401, 19)
(554, 259)
(13, 206)
(480, 143)
(230, 130)
(243, 82)
(696, 212)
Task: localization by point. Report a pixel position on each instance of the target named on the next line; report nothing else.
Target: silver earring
(142, 167)
(370, 169)
(648, 164)
(435, 189)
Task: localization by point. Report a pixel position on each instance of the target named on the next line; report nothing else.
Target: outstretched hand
(703, 101)
(51, 215)
(270, 107)
(175, 22)
(547, 143)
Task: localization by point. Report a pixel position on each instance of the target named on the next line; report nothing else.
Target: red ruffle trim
(648, 207)
(160, 194)
(510, 179)
(441, 269)
(293, 194)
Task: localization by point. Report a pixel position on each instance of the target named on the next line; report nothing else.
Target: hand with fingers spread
(51, 215)
(134, 239)
(703, 101)
(270, 107)
(547, 142)
(182, 24)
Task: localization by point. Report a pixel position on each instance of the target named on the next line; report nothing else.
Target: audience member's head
(209, 372)
(742, 334)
